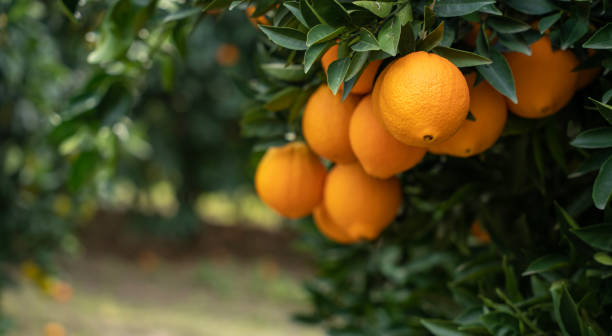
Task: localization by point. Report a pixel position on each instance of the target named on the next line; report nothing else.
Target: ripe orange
(329, 228)
(380, 154)
(256, 20)
(227, 54)
(475, 136)
(326, 125)
(422, 99)
(290, 179)
(365, 81)
(360, 204)
(544, 81)
(586, 76)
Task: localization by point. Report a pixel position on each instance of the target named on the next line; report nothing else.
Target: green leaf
(573, 30)
(461, 58)
(367, 41)
(533, 7)
(546, 263)
(313, 53)
(546, 22)
(602, 188)
(389, 36)
(566, 311)
(294, 8)
(450, 8)
(566, 216)
(358, 62)
(498, 73)
(405, 14)
(432, 39)
(287, 73)
(512, 287)
(322, 33)
(308, 14)
(501, 324)
(407, 41)
(442, 328)
(603, 258)
(604, 109)
(490, 9)
(331, 12)
(593, 162)
(285, 37)
(336, 73)
(282, 99)
(217, 4)
(601, 39)
(507, 25)
(598, 236)
(515, 42)
(378, 8)
(594, 138)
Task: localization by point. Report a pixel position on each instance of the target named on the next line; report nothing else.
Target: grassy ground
(117, 298)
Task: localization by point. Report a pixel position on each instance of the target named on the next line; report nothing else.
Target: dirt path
(117, 298)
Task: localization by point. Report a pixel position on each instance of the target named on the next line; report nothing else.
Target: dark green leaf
(594, 138)
(546, 263)
(378, 8)
(498, 74)
(555, 146)
(367, 41)
(285, 37)
(336, 73)
(569, 221)
(603, 258)
(389, 35)
(331, 12)
(501, 324)
(313, 53)
(322, 33)
(546, 22)
(288, 73)
(515, 42)
(598, 236)
(604, 109)
(407, 41)
(490, 9)
(442, 328)
(449, 8)
(573, 30)
(405, 14)
(185, 13)
(566, 311)
(432, 39)
(308, 14)
(294, 8)
(461, 58)
(602, 188)
(358, 62)
(601, 39)
(533, 7)
(507, 25)
(593, 162)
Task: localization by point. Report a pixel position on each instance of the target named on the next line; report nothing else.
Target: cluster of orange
(418, 103)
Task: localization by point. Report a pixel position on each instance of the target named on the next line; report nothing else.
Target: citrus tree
(454, 154)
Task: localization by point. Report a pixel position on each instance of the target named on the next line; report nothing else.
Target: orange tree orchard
(454, 154)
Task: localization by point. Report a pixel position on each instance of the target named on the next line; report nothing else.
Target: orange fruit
(325, 125)
(476, 136)
(329, 228)
(358, 203)
(290, 179)
(586, 76)
(422, 99)
(544, 81)
(479, 233)
(380, 154)
(366, 80)
(256, 20)
(227, 54)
